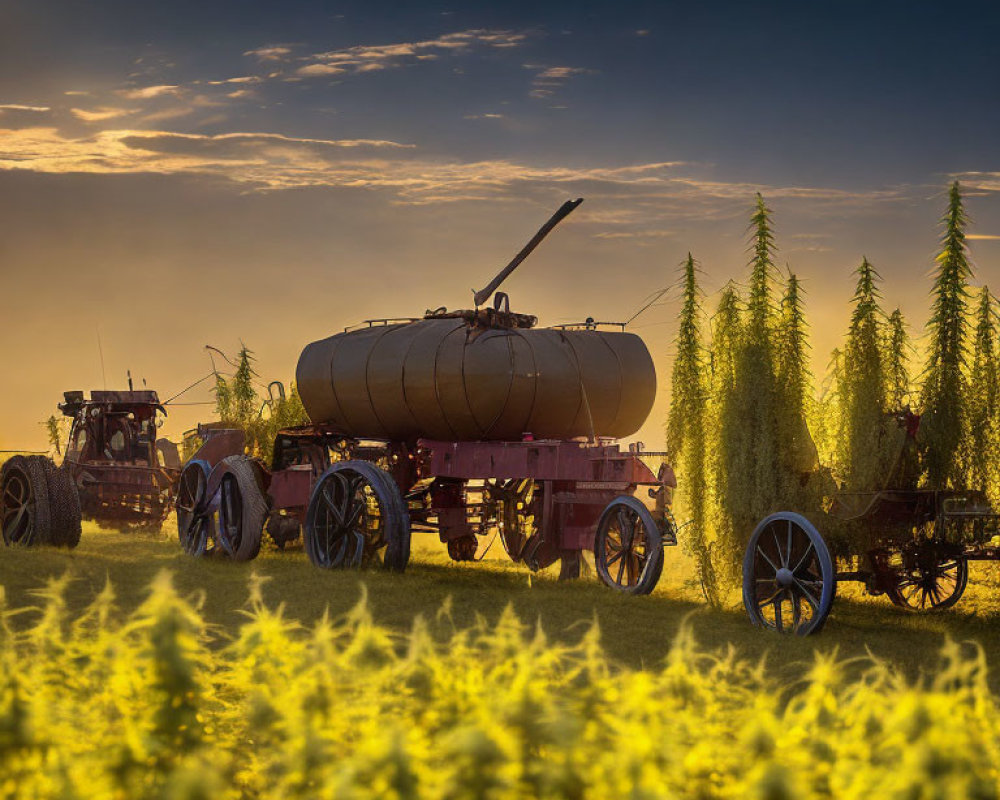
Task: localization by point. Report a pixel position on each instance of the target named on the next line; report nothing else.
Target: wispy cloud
(152, 100)
(320, 70)
(371, 58)
(98, 114)
(549, 79)
(270, 53)
(149, 92)
(642, 194)
(19, 107)
(238, 79)
(634, 234)
(979, 181)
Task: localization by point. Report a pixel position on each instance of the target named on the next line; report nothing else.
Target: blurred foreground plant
(154, 704)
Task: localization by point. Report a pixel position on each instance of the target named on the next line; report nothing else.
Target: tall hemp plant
(944, 395)
(825, 417)
(983, 430)
(794, 384)
(896, 359)
(753, 459)
(238, 404)
(686, 424)
(236, 400)
(724, 413)
(865, 426)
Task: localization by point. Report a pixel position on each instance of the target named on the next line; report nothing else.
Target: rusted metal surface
(441, 378)
(479, 374)
(572, 483)
(291, 487)
(218, 443)
(120, 468)
(602, 466)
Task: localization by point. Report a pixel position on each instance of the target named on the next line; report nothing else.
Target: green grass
(636, 631)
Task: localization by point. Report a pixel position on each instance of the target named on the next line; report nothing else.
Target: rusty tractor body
(122, 471)
(473, 425)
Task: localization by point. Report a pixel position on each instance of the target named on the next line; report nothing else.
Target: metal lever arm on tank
(564, 211)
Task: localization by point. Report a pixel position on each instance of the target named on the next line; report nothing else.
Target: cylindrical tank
(446, 379)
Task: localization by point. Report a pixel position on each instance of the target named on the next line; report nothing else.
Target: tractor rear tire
(25, 506)
(242, 509)
(64, 502)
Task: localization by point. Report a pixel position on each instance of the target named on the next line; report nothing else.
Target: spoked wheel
(509, 504)
(789, 580)
(357, 517)
(24, 502)
(242, 510)
(929, 580)
(195, 522)
(628, 549)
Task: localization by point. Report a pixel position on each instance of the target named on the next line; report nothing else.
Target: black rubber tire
(64, 503)
(650, 572)
(396, 552)
(240, 493)
(196, 524)
(31, 473)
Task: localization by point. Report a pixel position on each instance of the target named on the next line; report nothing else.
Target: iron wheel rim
(230, 534)
(192, 527)
(933, 589)
(788, 580)
(628, 551)
(18, 509)
(348, 521)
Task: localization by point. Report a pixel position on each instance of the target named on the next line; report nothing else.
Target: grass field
(129, 670)
(635, 631)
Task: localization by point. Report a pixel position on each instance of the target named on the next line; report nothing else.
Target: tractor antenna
(100, 350)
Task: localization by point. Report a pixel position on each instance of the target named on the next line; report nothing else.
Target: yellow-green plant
(945, 384)
(983, 429)
(686, 430)
(156, 704)
(240, 406)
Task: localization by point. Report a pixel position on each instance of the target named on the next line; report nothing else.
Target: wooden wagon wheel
(789, 580)
(930, 583)
(357, 517)
(628, 548)
(195, 520)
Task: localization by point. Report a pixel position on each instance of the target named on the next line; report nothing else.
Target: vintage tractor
(123, 473)
(471, 424)
(912, 545)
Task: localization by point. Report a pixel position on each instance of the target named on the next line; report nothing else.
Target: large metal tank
(443, 378)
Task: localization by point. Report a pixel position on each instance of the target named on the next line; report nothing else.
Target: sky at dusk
(178, 174)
